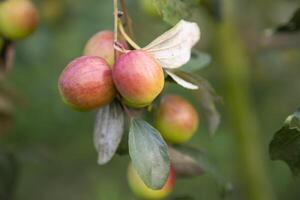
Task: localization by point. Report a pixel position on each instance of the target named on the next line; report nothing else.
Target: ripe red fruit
(142, 191)
(177, 119)
(101, 44)
(138, 77)
(18, 18)
(86, 83)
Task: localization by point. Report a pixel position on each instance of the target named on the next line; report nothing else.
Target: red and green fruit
(138, 77)
(86, 83)
(177, 119)
(18, 18)
(142, 191)
(101, 44)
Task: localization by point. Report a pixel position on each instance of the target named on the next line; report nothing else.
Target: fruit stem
(116, 20)
(127, 111)
(127, 38)
(127, 18)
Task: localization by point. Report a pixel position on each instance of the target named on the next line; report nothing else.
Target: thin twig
(127, 18)
(116, 20)
(127, 111)
(127, 38)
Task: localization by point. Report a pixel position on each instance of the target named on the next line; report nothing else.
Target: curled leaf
(183, 164)
(149, 153)
(173, 48)
(108, 131)
(181, 81)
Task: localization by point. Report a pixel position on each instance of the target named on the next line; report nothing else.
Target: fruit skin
(18, 19)
(101, 44)
(177, 119)
(138, 77)
(86, 83)
(142, 191)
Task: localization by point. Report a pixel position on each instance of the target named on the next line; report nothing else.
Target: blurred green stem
(234, 64)
(126, 36)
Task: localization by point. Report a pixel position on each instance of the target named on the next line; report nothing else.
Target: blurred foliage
(173, 10)
(8, 175)
(286, 143)
(292, 25)
(53, 143)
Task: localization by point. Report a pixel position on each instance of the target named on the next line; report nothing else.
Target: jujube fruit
(177, 119)
(101, 44)
(142, 191)
(86, 83)
(18, 19)
(139, 78)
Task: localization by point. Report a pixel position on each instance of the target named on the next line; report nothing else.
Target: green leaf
(108, 131)
(198, 61)
(207, 166)
(174, 10)
(285, 144)
(149, 153)
(206, 95)
(214, 7)
(292, 25)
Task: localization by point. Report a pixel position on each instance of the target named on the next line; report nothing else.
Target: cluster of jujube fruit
(136, 78)
(93, 80)
(18, 19)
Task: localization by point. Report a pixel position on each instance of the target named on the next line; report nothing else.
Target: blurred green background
(54, 144)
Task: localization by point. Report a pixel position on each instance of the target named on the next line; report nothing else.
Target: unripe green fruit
(138, 77)
(177, 119)
(18, 18)
(101, 44)
(86, 83)
(142, 191)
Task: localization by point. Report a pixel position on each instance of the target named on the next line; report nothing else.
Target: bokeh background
(53, 145)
